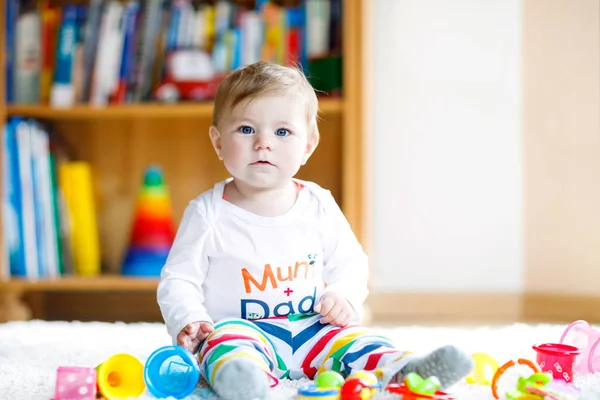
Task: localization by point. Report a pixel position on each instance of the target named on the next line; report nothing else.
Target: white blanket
(30, 352)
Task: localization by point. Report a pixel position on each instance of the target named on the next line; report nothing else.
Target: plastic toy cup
(121, 377)
(313, 392)
(171, 371)
(558, 359)
(581, 334)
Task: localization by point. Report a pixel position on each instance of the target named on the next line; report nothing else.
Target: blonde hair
(260, 78)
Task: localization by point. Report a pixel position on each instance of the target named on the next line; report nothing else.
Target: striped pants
(298, 346)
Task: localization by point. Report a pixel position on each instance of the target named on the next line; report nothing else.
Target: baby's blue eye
(247, 130)
(282, 132)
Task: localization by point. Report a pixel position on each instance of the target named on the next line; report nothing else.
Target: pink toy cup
(557, 359)
(581, 334)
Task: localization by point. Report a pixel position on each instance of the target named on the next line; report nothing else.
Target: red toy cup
(557, 359)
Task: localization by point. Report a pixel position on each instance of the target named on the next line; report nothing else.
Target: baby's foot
(241, 380)
(449, 364)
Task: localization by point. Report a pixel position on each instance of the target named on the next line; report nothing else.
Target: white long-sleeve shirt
(228, 262)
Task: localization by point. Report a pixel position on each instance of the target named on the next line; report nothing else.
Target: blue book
(12, 13)
(235, 46)
(38, 207)
(130, 24)
(12, 210)
(67, 38)
(63, 90)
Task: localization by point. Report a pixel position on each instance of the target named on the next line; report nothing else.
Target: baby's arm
(346, 270)
(180, 295)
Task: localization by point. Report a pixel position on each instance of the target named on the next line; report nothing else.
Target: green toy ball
(329, 379)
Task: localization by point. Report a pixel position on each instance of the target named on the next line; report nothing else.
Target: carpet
(31, 351)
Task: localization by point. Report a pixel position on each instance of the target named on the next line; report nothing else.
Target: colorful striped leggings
(298, 346)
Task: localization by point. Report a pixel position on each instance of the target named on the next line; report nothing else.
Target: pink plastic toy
(75, 383)
(581, 334)
(557, 359)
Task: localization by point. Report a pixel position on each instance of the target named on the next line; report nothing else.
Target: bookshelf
(120, 141)
(329, 106)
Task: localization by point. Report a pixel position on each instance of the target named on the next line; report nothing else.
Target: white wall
(446, 145)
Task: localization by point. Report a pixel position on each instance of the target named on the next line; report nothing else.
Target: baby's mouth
(261, 163)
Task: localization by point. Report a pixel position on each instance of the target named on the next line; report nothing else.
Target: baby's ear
(215, 138)
(311, 145)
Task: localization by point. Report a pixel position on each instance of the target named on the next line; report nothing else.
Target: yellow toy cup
(121, 377)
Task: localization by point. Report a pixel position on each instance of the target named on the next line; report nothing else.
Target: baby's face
(265, 140)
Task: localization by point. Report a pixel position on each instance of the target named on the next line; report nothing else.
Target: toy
(540, 386)
(153, 228)
(359, 385)
(171, 371)
(524, 385)
(75, 383)
(415, 387)
(189, 75)
(484, 370)
(556, 390)
(505, 367)
(355, 389)
(314, 392)
(557, 359)
(329, 379)
(580, 334)
(121, 376)
(367, 377)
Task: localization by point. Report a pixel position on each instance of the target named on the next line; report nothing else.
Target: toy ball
(329, 379)
(484, 370)
(367, 377)
(313, 392)
(355, 389)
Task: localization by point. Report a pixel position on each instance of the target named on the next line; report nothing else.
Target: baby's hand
(335, 309)
(193, 334)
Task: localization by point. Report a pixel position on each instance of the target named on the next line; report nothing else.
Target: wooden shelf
(138, 111)
(77, 283)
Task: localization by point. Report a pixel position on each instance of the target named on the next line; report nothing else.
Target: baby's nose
(263, 142)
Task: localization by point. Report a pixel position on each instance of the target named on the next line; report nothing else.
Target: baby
(266, 278)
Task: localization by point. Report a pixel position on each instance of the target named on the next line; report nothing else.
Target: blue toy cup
(171, 371)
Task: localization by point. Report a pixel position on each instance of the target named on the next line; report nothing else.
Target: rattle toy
(415, 387)
(355, 389)
(330, 385)
(581, 334)
(484, 369)
(525, 385)
(171, 371)
(555, 390)
(539, 387)
(314, 392)
(505, 367)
